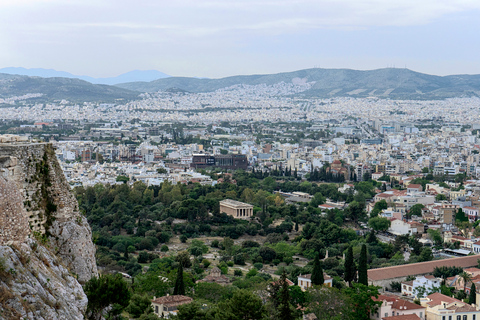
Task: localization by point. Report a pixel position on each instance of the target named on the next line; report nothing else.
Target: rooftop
(234, 203)
(420, 268)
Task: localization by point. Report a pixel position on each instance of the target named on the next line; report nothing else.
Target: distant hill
(384, 83)
(132, 76)
(61, 88)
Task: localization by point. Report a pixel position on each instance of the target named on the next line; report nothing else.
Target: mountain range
(131, 76)
(390, 83)
(74, 90)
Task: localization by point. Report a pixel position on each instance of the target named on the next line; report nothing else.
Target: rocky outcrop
(46, 247)
(43, 197)
(35, 284)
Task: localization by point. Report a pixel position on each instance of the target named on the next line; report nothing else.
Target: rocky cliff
(45, 242)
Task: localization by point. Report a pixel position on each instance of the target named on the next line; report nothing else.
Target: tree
(460, 216)
(415, 210)
(317, 273)
(191, 311)
(350, 268)
(179, 288)
(355, 211)
(106, 291)
(328, 303)
(472, 298)
(362, 266)
(244, 305)
(466, 277)
(425, 255)
(362, 304)
(440, 197)
(436, 236)
(284, 307)
(123, 179)
(371, 237)
(379, 223)
(139, 305)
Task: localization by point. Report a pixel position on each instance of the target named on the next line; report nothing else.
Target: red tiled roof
(420, 268)
(403, 317)
(406, 305)
(172, 301)
(437, 298)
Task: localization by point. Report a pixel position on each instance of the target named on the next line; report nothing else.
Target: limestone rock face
(34, 284)
(44, 198)
(13, 217)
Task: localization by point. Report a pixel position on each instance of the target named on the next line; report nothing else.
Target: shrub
(164, 248)
(258, 265)
(238, 273)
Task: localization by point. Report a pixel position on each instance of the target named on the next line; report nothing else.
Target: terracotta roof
(414, 186)
(438, 298)
(420, 268)
(406, 305)
(403, 317)
(172, 301)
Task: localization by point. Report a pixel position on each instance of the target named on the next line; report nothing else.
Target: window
(465, 317)
(386, 314)
(474, 317)
(459, 317)
(156, 309)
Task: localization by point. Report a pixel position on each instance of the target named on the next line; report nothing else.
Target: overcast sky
(220, 38)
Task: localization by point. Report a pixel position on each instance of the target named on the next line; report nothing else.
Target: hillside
(135, 75)
(383, 83)
(61, 88)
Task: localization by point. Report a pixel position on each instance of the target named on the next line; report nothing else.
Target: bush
(238, 273)
(164, 248)
(230, 263)
(205, 263)
(239, 259)
(183, 238)
(258, 265)
(215, 244)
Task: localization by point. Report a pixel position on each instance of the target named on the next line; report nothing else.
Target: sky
(218, 38)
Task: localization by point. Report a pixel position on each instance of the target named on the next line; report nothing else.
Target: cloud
(194, 31)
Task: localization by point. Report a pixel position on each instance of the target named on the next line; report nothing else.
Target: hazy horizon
(216, 39)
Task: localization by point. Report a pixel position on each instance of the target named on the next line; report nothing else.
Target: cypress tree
(472, 298)
(317, 273)
(125, 254)
(296, 226)
(179, 285)
(350, 268)
(284, 308)
(362, 266)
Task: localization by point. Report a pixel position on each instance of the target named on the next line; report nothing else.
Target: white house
(471, 213)
(421, 286)
(305, 282)
(400, 227)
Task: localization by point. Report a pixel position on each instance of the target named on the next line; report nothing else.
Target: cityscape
(244, 160)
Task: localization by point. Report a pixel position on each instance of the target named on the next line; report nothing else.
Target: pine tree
(350, 268)
(472, 298)
(296, 226)
(284, 307)
(179, 285)
(317, 273)
(362, 266)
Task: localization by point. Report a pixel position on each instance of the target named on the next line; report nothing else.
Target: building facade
(236, 209)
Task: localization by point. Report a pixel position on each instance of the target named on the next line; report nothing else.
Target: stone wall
(45, 199)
